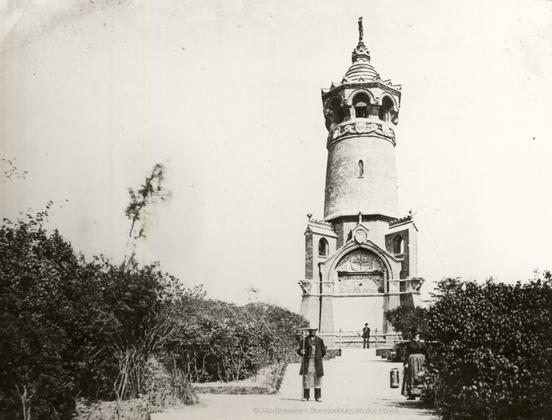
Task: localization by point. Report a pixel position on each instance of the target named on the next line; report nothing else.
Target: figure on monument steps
(366, 336)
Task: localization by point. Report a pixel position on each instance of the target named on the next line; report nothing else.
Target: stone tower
(360, 260)
(360, 114)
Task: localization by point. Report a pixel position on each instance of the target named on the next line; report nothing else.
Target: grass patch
(267, 381)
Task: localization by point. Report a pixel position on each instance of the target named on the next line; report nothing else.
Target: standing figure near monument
(415, 367)
(312, 350)
(366, 336)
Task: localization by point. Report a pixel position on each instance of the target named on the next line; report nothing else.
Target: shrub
(404, 319)
(37, 367)
(164, 389)
(217, 340)
(69, 327)
(494, 349)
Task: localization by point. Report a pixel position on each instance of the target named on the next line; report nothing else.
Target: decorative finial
(309, 215)
(361, 52)
(359, 213)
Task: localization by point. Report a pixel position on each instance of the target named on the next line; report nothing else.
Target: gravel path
(356, 386)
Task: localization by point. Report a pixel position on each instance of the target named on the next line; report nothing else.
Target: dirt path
(356, 386)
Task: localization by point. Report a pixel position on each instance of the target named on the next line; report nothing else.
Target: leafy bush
(405, 319)
(37, 362)
(217, 340)
(494, 349)
(70, 327)
(164, 390)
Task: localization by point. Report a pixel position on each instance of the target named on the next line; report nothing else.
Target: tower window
(323, 248)
(360, 168)
(385, 109)
(361, 104)
(361, 110)
(398, 245)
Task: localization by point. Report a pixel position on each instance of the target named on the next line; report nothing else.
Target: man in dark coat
(366, 336)
(312, 350)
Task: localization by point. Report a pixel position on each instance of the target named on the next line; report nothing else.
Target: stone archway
(361, 271)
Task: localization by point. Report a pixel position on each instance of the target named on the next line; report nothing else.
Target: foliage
(164, 390)
(71, 327)
(67, 325)
(494, 349)
(406, 319)
(149, 193)
(35, 349)
(221, 341)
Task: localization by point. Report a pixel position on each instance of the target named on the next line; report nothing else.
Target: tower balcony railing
(356, 127)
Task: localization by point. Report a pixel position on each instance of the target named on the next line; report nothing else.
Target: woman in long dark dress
(415, 367)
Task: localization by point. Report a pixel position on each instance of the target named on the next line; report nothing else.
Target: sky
(226, 94)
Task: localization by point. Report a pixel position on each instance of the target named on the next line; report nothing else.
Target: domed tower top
(361, 83)
(361, 70)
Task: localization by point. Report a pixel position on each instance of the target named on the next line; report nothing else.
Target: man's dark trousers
(366, 342)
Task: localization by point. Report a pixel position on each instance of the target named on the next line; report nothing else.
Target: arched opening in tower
(361, 105)
(361, 283)
(323, 247)
(385, 109)
(361, 271)
(398, 246)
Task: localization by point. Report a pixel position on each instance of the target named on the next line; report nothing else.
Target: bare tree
(141, 199)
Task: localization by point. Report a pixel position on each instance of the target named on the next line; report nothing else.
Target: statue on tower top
(360, 29)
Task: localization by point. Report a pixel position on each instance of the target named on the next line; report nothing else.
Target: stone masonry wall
(375, 192)
(308, 256)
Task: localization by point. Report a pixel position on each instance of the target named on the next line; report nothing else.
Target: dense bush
(493, 359)
(164, 390)
(217, 340)
(71, 327)
(406, 319)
